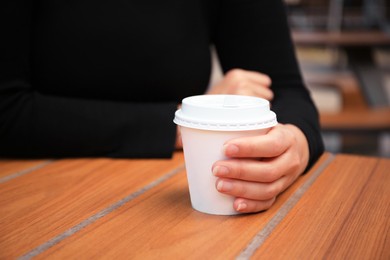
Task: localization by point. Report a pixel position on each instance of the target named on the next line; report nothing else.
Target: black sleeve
(254, 35)
(33, 124)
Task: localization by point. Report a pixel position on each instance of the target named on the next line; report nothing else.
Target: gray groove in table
(264, 233)
(25, 171)
(50, 243)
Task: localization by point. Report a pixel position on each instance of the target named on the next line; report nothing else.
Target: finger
(178, 143)
(239, 74)
(250, 190)
(253, 89)
(259, 78)
(247, 206)
(262, 92)
(251, 170)
(264, 170)
(272, 144)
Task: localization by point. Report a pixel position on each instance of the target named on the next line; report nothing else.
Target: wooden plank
(37, 207)
(358, 49)
(377, 119)
(365, 233)
(344, 215)
(345, 38)
(161, 224)
(13, 166)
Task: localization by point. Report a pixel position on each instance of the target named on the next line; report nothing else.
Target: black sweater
(103, 78)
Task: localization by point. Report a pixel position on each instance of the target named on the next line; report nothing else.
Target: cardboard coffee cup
(206, 123)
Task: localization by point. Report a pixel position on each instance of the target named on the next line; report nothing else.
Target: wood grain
(11, 166)
(161, 224)
(38, 206)
(344, 215)
(359, 119)
(358, 38)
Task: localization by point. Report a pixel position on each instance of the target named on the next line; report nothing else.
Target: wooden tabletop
(140, 209)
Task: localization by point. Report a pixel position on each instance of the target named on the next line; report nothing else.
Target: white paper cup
(206, 123)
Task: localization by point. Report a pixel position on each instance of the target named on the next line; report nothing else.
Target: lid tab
(230, 101)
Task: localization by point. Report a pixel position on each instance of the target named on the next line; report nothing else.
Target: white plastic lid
(225, 112)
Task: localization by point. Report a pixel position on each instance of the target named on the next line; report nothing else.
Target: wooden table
(140, 209)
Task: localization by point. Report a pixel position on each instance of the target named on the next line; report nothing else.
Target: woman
(104, 78)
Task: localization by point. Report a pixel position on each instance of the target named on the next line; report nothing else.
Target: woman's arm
(254, 35)
(35, 124)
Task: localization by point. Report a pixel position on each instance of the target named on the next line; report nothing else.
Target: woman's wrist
(302, 144)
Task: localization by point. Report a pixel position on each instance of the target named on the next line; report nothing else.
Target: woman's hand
(261, 167)
(244, 82)
(178, 143)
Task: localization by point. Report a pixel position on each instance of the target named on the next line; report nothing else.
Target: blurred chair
(352, 30)
(356, 121)
(373, 14)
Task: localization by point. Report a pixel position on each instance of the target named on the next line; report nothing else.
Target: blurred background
(343, 47)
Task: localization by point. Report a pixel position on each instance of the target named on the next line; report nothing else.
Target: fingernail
(241, 206)
(230, 149)
(220, 170)
(224, 186)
